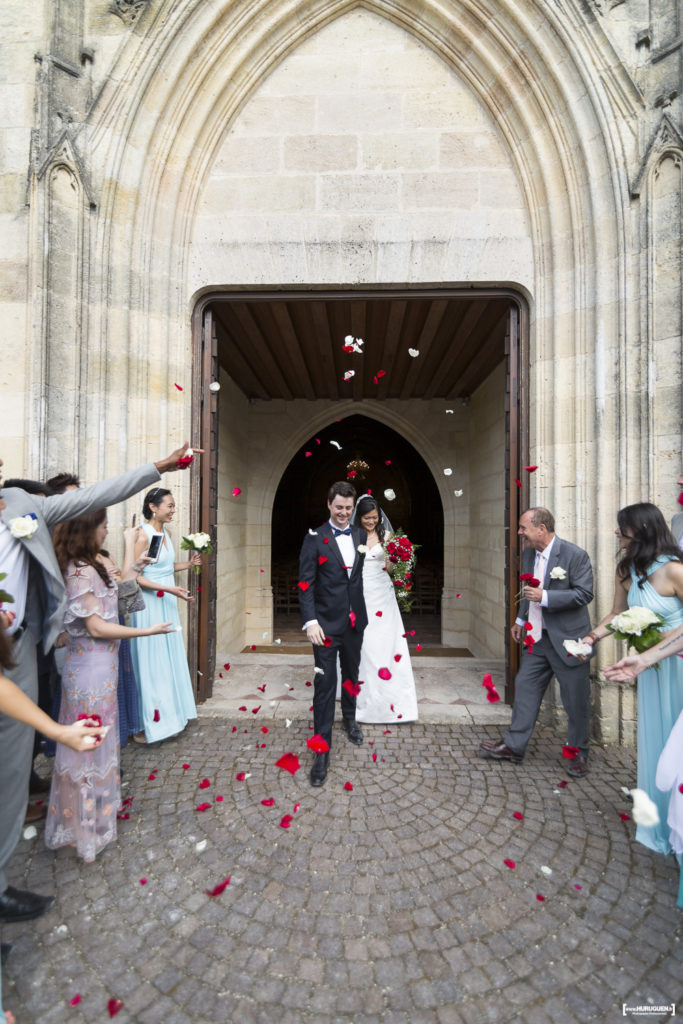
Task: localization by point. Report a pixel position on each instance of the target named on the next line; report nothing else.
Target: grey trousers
(16, 754)
(532, 681)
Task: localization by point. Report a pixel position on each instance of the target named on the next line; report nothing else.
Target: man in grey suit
(34, 580)
(556, 600)
(677, 521)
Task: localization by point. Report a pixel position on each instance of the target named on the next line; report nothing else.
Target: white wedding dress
(384, 700)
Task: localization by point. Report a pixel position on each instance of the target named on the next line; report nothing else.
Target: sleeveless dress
(85, 793)
(160, 662)
(379, 700)
(660, 702)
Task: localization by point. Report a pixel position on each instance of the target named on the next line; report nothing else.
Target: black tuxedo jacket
(331, 593)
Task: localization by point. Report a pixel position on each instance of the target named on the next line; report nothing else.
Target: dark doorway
(393, 464)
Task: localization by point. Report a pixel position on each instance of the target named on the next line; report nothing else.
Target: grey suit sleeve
(71, 504)
(580, 590)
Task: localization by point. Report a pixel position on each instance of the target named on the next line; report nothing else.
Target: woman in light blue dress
(163, 678)
(650, 575)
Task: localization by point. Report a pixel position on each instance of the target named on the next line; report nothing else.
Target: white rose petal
(278, 641)
(31, 832)
(272, 703)
(349, 374)
(318, 670)
(546, 870)
(576, 648)
(214, 386)
(458, 494)
(448, 472)
(201, 845)
(389, 494)
(288, 722)
(644, 809)
(312, 533)
(336, 444)
(449, 411)
(414, 352)
(348, 340)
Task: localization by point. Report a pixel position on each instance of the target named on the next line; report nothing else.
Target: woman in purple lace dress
(86, 794)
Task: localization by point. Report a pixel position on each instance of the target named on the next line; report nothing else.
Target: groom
(334, 615)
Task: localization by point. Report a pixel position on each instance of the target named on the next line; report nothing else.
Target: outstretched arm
(80, 736)
(629, 668)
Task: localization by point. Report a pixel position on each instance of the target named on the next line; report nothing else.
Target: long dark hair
(74, 541)
(649, 538)
(367, 504)
(153, 497)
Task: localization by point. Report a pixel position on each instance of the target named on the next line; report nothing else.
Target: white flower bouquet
(640, 627)
(199, 542)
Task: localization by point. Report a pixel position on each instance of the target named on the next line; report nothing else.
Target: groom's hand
(316, 634)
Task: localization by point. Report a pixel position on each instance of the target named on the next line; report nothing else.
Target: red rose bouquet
(400, 563)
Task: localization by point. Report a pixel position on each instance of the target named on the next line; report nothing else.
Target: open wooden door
(204, 500)
(517, 484)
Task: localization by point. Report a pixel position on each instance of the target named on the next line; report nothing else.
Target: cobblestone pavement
(390, 902)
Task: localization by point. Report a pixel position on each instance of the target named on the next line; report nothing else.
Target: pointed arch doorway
(394, 465)
(278, 357)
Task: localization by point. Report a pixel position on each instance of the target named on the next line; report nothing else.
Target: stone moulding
(666, 137)
(127, 10)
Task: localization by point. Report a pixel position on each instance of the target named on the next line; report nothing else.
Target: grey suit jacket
(566, 617)
(677, 528)
(46, 596)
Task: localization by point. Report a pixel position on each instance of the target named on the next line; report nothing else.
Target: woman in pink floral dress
(86, 793)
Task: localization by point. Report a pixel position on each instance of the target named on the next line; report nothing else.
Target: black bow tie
(341, 533)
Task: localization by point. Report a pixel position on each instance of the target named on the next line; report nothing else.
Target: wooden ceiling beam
(234, 362)
(301, 382)
(474, 312)
(269, 368)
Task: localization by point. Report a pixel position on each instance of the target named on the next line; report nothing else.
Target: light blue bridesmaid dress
(660, 702)
(160, 662)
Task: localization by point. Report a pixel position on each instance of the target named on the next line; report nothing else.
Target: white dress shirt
(544, 597)
(13, 562)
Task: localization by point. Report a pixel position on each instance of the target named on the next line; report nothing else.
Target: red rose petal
(296, 808)
(241, 776)
(185, 461)
(326, 540)
(570, 753)
(219, 799)
(351, 688)
(531, 469)
(303, 585)
(541, 899)
(255, 711)
(518, 481)
(234, 728)
(374, 757)
(386, 731)
(578, 887)
(308, 454)
(76, 999)
(418, 647)
(562, 784)
(384, 673)
(227, 666)
(202, 807)
(151, 777)
(204, 784)
(236, 491)
(397, 657)
(492, 696)
(289, 763)
(177, 386)
(509, 863)
(114, 1005)
(262, 688)
(143, 881)
(309, 683)
(286, 821)
(242, 708)
(352, 619)
(379, 616)
(160, 593)
(327, 642)
(264, 728)
(518, 815)
(347, 785)
(317, 744)
(269, 802)
(253, 646)
(218, 889)
(156, 715)
(321, 561)
(680, 788)
(387, 462)
(624, 817)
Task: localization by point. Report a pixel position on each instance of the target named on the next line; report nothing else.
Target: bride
(384, 642)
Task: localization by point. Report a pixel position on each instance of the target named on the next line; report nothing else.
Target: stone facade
(153, 149)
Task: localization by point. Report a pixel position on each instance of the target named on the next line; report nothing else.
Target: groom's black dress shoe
(354, 733)
(578, 768)
(21, 905)
(319, 769)
(499, 752)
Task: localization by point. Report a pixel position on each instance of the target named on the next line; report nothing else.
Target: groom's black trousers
(325, 686)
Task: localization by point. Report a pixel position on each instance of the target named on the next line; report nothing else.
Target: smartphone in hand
(154, 549)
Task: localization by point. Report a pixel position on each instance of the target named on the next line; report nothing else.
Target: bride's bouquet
(641, 627)
(400, 562)
(199, 542)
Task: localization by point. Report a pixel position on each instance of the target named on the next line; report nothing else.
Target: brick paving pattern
(387, 903)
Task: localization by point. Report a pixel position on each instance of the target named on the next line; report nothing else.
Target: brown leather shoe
(499, 752)
(35, 813)
(578, 768)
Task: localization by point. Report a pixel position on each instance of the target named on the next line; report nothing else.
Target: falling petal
(384, 673)
(336, 444)
(458, 494)
(236, 491)
(303, 585)
(386, 731)
(319, 671)
(177, 386)
(378, 614)
(531, 469)
(449, 411)
(255, 711)
(288, 762)
(327, 642)
(243, 707)
(264, 728)
(448, 472)
(569, 753)
(577, 887)
(374, 757)
(389, 494)
(308, 454)
(262, 688)
(317, 744)
(218, 889)
(518, 481)
(156, 715)
(418, 647)
(349, 374)
(397, 657)
(351, 688)
(321, 560)
(227, 666)
(288, 722)
(414, 352)
(214, 386)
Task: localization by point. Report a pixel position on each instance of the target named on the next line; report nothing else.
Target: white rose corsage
(23, 527)
(558, 573)
(362, 549)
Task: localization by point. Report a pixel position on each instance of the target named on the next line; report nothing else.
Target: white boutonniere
(23, 527)
(362, 549)
(558, 573)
